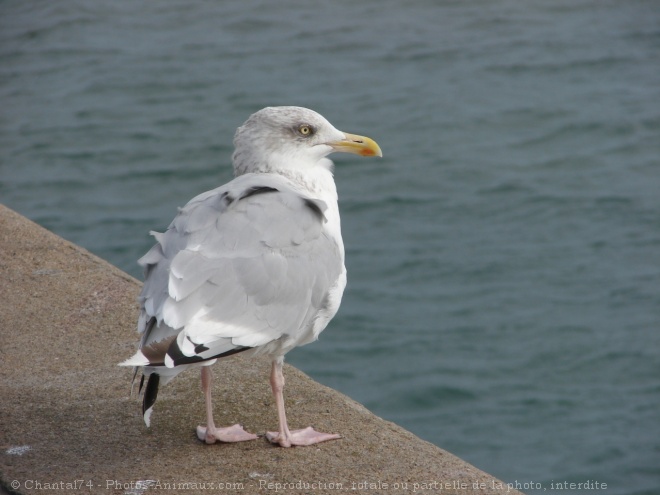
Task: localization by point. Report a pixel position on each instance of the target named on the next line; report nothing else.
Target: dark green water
(504, 257)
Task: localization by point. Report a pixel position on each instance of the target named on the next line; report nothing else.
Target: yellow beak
(359, 145)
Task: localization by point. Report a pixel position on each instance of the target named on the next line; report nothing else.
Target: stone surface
(68, 423)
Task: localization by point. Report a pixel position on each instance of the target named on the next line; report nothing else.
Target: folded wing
(246, 266)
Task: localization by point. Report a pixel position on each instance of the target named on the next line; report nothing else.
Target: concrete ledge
(67, 423)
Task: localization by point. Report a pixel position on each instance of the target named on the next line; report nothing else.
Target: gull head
(292, 138)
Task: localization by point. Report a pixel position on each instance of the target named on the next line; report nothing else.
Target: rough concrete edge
(91, 257)
(39, 231)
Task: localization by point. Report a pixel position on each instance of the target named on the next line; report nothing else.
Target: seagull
(255, 266)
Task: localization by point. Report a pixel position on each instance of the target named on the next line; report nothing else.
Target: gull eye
(305, 130)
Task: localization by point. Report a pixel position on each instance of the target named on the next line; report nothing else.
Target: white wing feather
(248, 264)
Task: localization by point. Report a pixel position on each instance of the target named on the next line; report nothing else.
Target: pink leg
(211, 434)
(284, 437)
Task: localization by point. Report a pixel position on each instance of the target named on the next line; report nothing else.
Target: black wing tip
(150, 396)
(141, 380)
(179, 358)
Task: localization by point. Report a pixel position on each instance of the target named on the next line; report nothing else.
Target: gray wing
(247, 265)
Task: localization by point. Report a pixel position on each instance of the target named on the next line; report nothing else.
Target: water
(503, 296)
